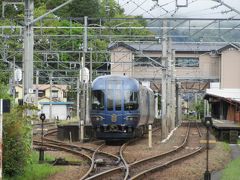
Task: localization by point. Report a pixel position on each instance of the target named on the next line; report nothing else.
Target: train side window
(98, 100)
(130, 100)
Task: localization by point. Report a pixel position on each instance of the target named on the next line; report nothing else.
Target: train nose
(113, 127)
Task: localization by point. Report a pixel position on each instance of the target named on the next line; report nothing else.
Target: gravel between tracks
(192, 169)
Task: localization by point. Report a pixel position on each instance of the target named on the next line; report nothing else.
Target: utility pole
(36, 90)
(78, 99)
(173, 92)
(169, 88)
(29, 42)
(50, 105)
(91, 71)
(28, 48)
(82, 79)
(164, 90)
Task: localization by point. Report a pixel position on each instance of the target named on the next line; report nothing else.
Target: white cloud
(167, 8)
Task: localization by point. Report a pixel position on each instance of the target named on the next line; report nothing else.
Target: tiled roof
(180, 47)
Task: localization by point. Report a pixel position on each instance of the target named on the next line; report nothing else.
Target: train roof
(129, 82)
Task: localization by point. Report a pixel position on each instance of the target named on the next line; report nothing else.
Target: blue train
(121, 108)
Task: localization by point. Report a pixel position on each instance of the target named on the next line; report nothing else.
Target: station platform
(226, 130)
(71, 131)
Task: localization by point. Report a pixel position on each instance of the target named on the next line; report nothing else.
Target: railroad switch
(60, 161)
(63, 162)
(100, 162)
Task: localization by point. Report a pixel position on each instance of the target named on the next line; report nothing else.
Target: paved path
(235, 152)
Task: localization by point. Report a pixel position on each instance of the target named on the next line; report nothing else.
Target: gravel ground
(192, 169)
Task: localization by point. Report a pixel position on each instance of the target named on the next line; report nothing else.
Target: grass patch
(232, 170)
(225, 146)
(65, 122)
(37, 171)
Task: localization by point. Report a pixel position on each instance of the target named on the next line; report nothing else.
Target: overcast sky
(167, 8)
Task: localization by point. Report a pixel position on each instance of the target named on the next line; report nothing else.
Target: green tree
(199, 108)
(111, 9)
(78, 8)
(4, 74)
(16, 142)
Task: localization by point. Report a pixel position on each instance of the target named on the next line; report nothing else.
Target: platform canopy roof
(229, 94)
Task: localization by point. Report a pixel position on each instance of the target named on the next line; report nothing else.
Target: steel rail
(76, 146)
(165, 164)
(114, 170)
(165, 153)
(92, 164)
(139, 175)
(124, 161)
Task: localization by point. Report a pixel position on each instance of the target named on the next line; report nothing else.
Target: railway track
(141, 168)
(92, 156)
(122, 170)
(103, 165)
(188, 148)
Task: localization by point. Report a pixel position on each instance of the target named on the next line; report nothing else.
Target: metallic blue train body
(121, 108)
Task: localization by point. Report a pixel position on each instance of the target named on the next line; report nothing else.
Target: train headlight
(131, 118)
(97, 118)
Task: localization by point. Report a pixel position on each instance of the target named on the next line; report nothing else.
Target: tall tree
(78, 8)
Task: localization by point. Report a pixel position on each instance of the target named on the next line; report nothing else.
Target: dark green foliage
(78, 8)
(199, 108)
(4, 75)
(110, 10)
(16, 142)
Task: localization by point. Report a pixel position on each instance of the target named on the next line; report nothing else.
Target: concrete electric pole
(164, 74)
(28, 48)
(29, 43)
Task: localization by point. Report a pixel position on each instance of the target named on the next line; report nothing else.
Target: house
(59, 92)
(196, 64)
(60, 107)
(60, 110)
(224, 99)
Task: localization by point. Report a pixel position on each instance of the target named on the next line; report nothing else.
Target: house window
(41, 93)
(54, 93)
(187, 62)
(147, 61)
(64, 94)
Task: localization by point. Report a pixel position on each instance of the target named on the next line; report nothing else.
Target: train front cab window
(114, 96)
(97, 100)
(110, 96)
(130, 100)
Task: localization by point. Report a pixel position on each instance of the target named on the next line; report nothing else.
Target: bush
(16, 142)
(37, 171)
